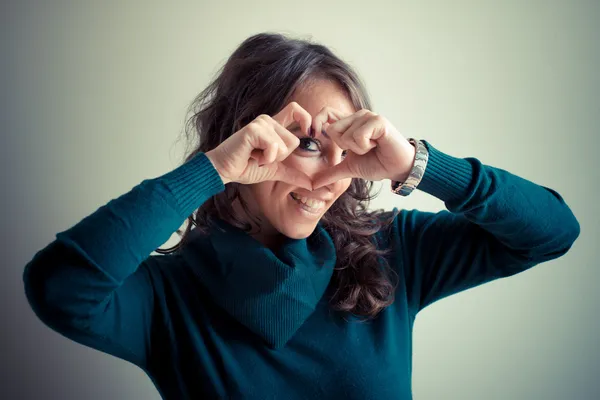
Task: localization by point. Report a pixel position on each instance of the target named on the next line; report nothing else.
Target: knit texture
(226, 317)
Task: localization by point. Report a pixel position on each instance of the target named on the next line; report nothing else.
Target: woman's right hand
(255, 153)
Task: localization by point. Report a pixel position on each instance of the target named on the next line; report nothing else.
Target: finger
(291, 113)
(344, 139)
(290, 140)
(336, 130)
(293, 176)
(343, 124)
(358, 136)
(266, 145)
(327, 177)
(266, 156)
(257, 155)
(270, 154)
(327, 115)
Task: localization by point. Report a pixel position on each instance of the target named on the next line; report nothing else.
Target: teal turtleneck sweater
(228, 318)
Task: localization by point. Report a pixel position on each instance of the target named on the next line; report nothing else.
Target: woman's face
(272, 201)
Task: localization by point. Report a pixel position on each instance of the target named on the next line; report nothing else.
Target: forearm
(527, 218)
(87, 262)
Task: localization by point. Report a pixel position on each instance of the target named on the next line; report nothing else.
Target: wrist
(411, 152)
(211, 157)
(417, 171)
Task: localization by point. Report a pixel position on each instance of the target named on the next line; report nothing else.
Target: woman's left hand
(376, 150)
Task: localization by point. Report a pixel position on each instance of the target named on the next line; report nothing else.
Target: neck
(270, 240)
(263, 232)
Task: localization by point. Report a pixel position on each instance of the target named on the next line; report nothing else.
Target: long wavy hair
(260, 78)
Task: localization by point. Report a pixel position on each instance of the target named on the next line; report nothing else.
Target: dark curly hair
(259, 78)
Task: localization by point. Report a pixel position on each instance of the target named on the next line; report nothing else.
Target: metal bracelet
(417, 171)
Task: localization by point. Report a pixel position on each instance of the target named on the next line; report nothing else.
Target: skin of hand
(376, 150)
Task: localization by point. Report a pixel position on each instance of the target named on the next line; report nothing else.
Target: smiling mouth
(310, 205)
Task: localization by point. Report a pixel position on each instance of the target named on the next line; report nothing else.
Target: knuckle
(324, 111)
(262, 119)
(283, 148)
(295, 106)
(379, 118)
(359, 133)
(254, 126)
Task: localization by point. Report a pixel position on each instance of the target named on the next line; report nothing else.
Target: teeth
(312, 203)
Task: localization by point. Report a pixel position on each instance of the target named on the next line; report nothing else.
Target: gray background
(94, 98)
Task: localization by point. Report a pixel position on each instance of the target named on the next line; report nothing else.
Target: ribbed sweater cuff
(446, 177)
(192, 183)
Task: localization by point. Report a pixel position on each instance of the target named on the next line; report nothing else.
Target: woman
(288, 287)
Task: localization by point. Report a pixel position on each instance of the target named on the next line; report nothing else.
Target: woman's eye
(305, 144)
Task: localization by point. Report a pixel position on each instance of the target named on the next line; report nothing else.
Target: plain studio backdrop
(95, 99)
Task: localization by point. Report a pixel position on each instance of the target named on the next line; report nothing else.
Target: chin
(297, 231)
(299, 221)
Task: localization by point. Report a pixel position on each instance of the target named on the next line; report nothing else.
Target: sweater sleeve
(496, 224)
(93, 285)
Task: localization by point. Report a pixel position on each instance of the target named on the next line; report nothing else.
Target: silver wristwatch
(416, 173)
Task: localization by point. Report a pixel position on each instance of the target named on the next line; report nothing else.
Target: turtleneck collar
(270, 292)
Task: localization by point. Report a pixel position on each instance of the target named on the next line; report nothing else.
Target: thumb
(293, 176)
(337, 172)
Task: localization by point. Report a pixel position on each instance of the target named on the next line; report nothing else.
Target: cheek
(313, 165)
(342, 186)
(260, 193)
(308, 165)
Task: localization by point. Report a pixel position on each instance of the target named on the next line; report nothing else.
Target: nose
(328, 159)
